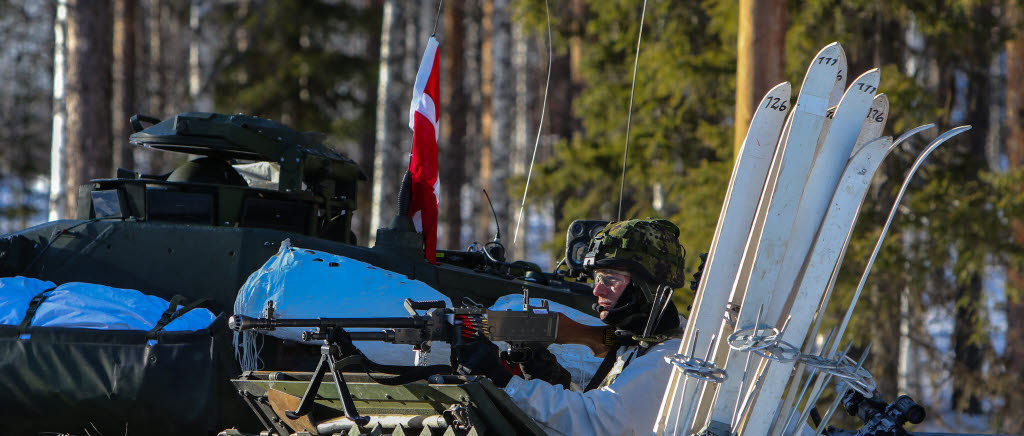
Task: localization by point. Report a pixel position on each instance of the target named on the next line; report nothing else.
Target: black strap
(172, 313)
(604, 369)
(33, 306)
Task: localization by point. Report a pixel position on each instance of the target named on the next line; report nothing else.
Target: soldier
(632, 262)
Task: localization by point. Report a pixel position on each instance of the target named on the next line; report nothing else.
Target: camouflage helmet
(647, 247)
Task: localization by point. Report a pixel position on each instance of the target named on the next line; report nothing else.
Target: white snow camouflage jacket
(628, 405)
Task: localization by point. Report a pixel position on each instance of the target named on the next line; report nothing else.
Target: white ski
(837, 142)
(840, 86)
(776, 221)
(892, 213)
(822, 378)
(837, 94)
(821, 185)
(745, 186)
(871, 130)
(824, 256)
(874, 122)
(846, 125)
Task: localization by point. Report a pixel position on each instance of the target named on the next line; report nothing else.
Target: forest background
(943, 306)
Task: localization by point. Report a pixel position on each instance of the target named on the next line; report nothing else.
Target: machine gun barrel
(241, 323)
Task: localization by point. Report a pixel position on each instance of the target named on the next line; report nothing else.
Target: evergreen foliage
(680, 142)
(304, 63)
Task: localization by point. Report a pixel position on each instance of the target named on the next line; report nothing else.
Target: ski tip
(869, 79)
(881, 142)
(958, 130)
(953, 132)
(906, 135)
(782, 87)
(880, 102)
(941, 139)
(833, 50)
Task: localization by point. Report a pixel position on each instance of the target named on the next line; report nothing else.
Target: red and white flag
(423, 120)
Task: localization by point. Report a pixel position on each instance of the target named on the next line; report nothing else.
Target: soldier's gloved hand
(480, 357)
(541, 364)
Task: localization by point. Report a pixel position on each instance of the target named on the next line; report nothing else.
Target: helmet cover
(649, 248)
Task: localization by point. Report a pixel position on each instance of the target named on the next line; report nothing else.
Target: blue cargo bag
(82, 358)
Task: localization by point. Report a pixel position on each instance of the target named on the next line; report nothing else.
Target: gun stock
(594, 337)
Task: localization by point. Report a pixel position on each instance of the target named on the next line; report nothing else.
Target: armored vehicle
(199, 232)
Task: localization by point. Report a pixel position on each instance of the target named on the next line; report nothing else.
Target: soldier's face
(608, 287)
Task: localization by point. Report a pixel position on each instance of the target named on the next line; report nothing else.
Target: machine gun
(522, 330)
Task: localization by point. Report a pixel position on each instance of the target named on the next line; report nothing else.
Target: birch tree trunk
(58, 144)
(202, 45)
(88, 87)
(521, 146)
(394, 92)
(362, 220)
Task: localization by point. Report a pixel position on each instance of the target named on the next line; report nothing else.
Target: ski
(824, 176)
(825, 254)
(840, 86)
(885, 229)
(775, 218)
(833, 346)
(745, 186)
(821, 182)
(873, 123)
(845, 122)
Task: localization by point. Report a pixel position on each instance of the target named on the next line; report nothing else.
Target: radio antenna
(497, 236)
(540, 127)
(629, 113)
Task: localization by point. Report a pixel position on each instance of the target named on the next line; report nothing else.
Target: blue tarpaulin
(91, 306)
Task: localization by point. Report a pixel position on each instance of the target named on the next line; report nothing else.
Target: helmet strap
(628, 313)
(662, 298)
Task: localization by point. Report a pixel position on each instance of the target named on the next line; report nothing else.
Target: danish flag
(423, 120)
